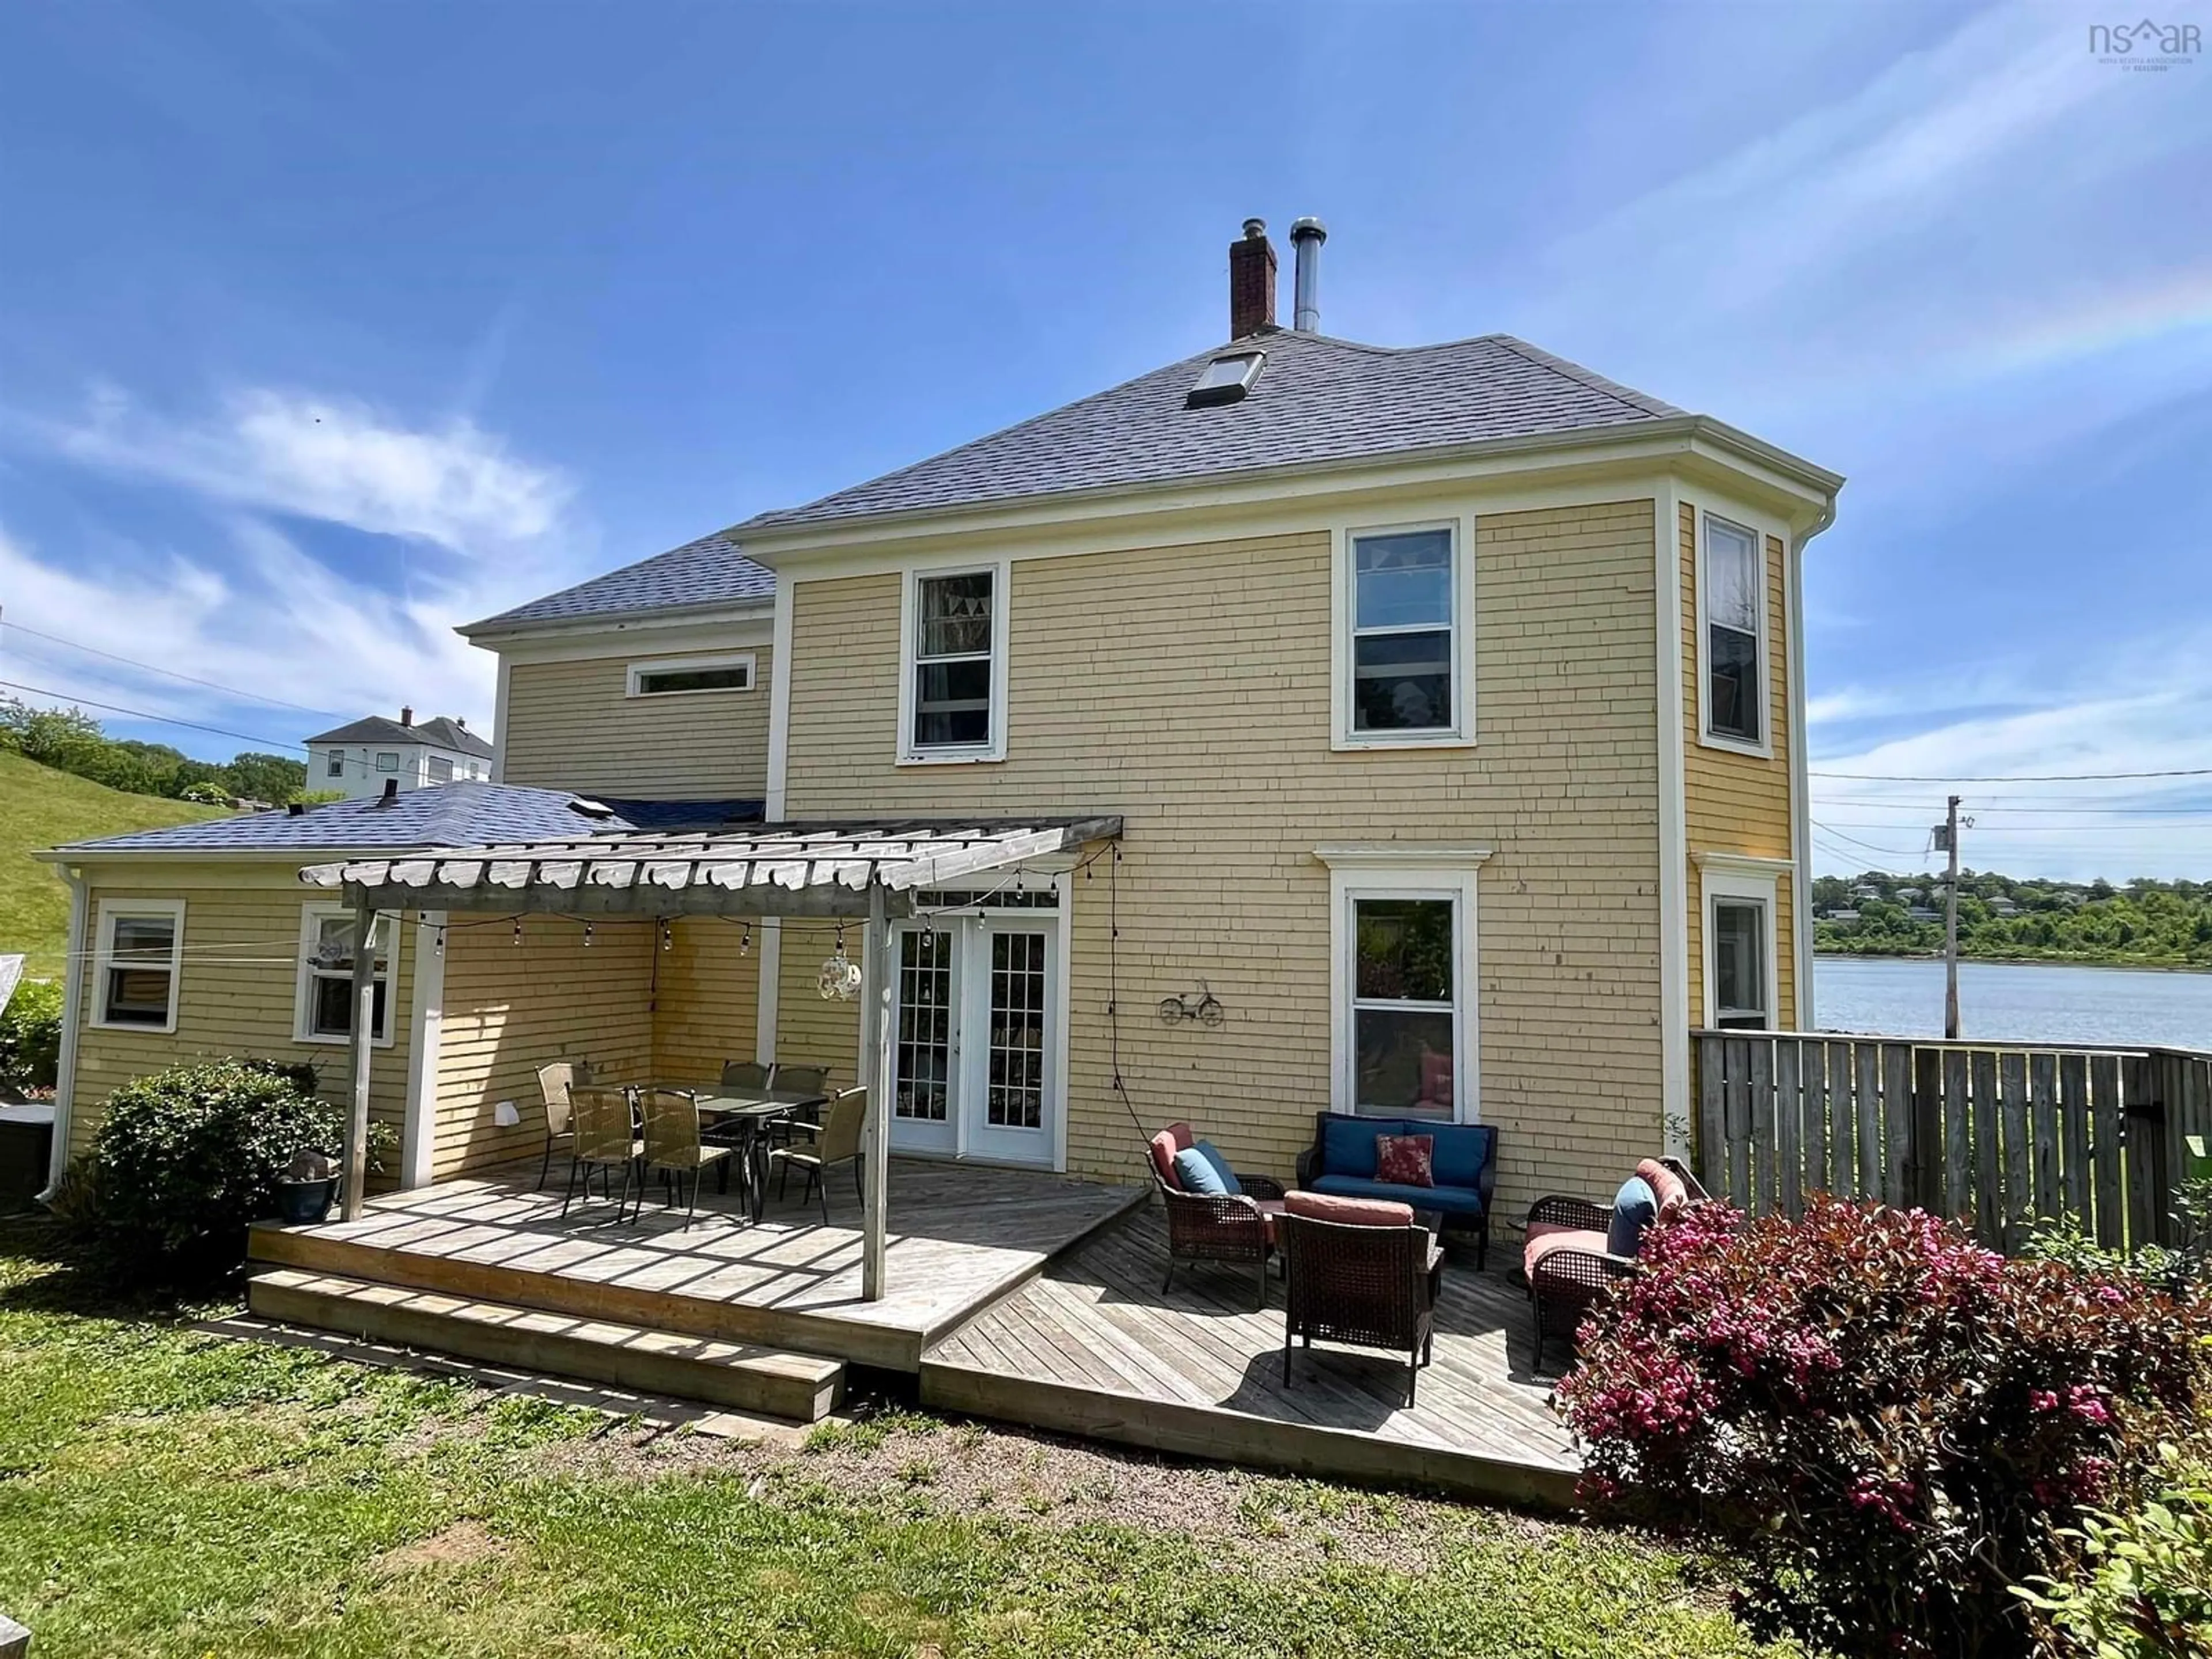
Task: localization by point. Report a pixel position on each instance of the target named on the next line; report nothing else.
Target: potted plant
(307, 1188)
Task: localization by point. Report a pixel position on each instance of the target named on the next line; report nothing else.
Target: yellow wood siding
(1731, 802)
(510, 1009)
(572, 726)
(706, 1000)
(235, 996)
(1188, 689)
(809, 1030)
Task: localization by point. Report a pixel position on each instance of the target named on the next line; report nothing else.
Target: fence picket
(1843, 1122)
(2043, 1103)
(1738, 1114)
(2073, 1125)
(1713, 1152)
(1927, 1128)
(2143, 1150)
(1988, 1216)
(1790, 1125)
(1958, 1143)
(1759, 1083)
(2105, 1147)
(1868, 1102)
(2019, 1195)
(1897, 1126)
(1812, 1063)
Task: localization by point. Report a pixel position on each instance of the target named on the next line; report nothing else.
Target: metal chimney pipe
(1306, 237)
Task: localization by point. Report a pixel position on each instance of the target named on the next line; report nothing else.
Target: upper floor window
(953, 679)
(1732, 600)
(670, 677)
(136, 963)
(387, 760)
(1404, 656)
(323, 1004)
(334, 765)
(441, 769)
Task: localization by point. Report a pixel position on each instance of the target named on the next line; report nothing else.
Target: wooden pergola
(866, 871)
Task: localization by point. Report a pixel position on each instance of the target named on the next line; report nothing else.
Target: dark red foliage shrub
(1884, 1423)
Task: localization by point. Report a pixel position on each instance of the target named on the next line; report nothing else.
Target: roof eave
(492, 629)
(1679, 433)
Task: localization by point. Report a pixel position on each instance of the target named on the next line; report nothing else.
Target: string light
(587, 936)
(667, 938)
(442, 941)
(746, 941)
(518, 932)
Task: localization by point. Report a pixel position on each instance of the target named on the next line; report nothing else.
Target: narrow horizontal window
(674, 679)
(1404, 645)
(1735, 671)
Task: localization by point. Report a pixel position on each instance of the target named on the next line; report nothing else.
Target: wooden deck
(1092, 1346)
(960, 1235)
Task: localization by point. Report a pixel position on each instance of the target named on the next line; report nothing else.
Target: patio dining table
(739, 1118)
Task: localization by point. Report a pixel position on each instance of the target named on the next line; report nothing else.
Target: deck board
(1092, 1344)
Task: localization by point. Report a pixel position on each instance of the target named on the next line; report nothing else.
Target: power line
(1887, 851)
(142, 714)
(2014, 777)
(2053, 810)
(155, 668)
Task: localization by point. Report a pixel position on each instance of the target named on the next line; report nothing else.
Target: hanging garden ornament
(840, 979)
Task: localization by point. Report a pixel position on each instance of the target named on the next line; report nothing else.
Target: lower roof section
(811, 869)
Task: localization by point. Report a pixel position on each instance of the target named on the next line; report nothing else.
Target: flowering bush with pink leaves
(1887, 1424)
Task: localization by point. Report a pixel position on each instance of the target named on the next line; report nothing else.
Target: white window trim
(1395, 872)
(312, 914)
(908, 753)
(1342, 609)
(1709, 738)
(111, 911)
(1742, 881)
(744, 660)
(334, 763)
(382, 770)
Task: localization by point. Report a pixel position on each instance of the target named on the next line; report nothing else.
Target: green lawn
(41, 807)
(165, 1491)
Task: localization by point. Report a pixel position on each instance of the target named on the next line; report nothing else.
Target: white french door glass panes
(922, 1091)
(977, 1038)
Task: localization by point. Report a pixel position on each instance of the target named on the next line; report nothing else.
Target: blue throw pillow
(1204, 1170)
(1634, 1206)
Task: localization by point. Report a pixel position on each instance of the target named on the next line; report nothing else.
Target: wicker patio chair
(554, 1083)
(673, 1147)
(604, 1137)
(1226, 1227)
(745, 1074)
(834, 1140)
(1566, 1260)
(1366, 1285)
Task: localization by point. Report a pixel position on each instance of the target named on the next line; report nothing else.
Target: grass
(40, 807)
(169, 1493)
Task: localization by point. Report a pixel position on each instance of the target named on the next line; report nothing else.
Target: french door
(976, 1051)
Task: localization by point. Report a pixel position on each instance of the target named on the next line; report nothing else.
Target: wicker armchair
(1370, 1286)
(1224, 1227)
(1567, 1260)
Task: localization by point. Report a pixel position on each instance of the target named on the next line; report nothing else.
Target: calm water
(2043, 1002)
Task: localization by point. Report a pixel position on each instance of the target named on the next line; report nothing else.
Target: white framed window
(441, 769)
(387, 760)
(1735, 700)
(1404, 616)
(1740, 965)
(952, 664)
(334, 764)
(684, 676)
(1403, 1021)
(138, 964)
(323, 1002)
(474, 771)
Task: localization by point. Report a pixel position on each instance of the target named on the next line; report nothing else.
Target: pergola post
(354, 1175)
(878, 1030)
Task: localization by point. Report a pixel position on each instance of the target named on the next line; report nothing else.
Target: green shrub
(2145, 1589)
(185, 1158)
(1885, 1425)
(31, 1035)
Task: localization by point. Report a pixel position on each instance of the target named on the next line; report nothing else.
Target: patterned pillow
(1406, 1160)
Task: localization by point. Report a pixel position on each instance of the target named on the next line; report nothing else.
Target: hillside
(41, 807)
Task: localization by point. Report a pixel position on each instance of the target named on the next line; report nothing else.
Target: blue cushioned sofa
(1341, 1161)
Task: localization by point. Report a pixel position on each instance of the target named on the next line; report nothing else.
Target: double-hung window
(441, 769)
(1732, 588)
(137, 963)
(387, 760)
(1404, 677)
(323, 1010)
(1404, 1026)
(953, 690)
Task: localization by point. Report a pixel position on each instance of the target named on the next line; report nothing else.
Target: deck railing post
(880, 1030)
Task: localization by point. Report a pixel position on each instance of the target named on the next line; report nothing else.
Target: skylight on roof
(1226, 379)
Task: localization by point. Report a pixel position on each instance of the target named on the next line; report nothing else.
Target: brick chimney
(406, 716)
(1251, 282)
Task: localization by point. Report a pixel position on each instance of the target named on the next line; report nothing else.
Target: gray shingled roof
(439, 732)
(1317, 400)
(447, 815)
(710, 571)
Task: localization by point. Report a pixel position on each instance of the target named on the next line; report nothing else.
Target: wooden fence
(2000, 1135)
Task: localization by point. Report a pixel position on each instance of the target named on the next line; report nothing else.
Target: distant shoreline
(2122, 963)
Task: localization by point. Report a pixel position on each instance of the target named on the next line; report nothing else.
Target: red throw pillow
(1406, 1160)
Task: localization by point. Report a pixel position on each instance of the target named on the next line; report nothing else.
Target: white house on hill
(362, 758)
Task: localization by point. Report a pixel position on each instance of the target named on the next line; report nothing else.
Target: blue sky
(325, 326)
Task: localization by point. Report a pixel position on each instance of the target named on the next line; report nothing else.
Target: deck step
(802, 1387)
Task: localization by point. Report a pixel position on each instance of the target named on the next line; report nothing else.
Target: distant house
(2002, 906)
(1923, 912)
(360, 758)
(1866, 889)
(1909, 895)
(1843, 915)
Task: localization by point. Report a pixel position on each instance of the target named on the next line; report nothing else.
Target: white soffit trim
(1393, 854)
(1743, 864)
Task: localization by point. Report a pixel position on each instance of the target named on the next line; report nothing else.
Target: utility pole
(1949, 835)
